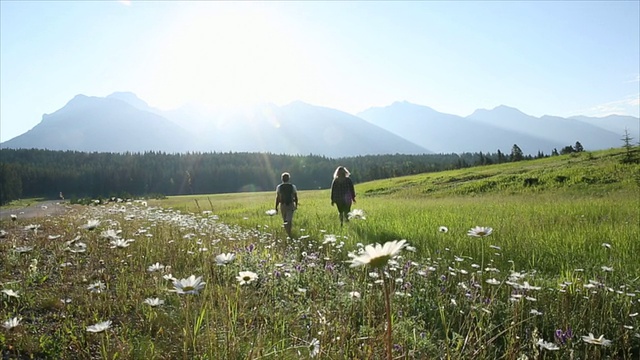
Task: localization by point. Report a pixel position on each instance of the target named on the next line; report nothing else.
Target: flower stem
(387, 303)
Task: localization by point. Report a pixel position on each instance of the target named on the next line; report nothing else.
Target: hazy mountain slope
(299, 128)
(105, 125)
(445, 133)
(338, 132)
(553, 128)
(614, 123)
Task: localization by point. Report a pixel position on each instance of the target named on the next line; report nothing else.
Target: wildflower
(354, 295)
(535, 312)
(90, 225)
(314, 347)
(607, 268)
(78, 247)
(110, 234)
(443, 229)
(493, 281)
(356, 214)
(97, 287)
(378, 255)
(155, 267)
(246, 277)
(23, 249)
(169, 277)
(190, 285)
(329, 238)
(99, 327)
(547, 345)
(224, 259)
(480, 231)
(11, 323)
(120, 243)
(10, 293)
(271, 212)
(153, 302)
(607, 245)
(596, 341)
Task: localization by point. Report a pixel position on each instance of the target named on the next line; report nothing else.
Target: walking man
(287, 199)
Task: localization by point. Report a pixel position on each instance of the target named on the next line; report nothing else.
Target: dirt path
(39, 209)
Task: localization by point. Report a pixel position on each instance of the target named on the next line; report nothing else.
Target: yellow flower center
(379, 261)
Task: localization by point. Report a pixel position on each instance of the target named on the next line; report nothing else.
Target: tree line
(26, 173)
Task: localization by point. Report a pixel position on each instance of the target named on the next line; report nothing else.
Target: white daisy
(480, 231)
(377, 255)
(329, 238)
(596, 341)
(271, 212)
(357, 214)
(547, 345)
(155, 267)
(110, 234)
(190, 285)
(99, 327)
(120, 243)
(314, 347)
(97, 287)
(443, 229)
(91, 224)
(10, 293)
(224, 259)
(11, 323)
(246, 277)
(23, 249)
(153, 302)
(169, 277)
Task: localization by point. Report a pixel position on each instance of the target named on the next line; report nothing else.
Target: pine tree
(516, 153)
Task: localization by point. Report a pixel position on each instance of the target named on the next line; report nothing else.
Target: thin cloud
(125, 2)
(627, 106)
(634, 80)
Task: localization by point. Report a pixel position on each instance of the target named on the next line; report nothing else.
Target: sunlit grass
(558, 265)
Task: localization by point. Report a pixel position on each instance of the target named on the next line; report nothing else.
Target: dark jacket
(342, 191)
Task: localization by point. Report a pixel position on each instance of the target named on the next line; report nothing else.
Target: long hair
(341, 170)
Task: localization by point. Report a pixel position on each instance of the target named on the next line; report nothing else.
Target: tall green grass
(572, 236)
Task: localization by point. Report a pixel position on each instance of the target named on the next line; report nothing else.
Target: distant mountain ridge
(123, 122)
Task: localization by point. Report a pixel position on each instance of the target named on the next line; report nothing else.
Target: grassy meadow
(558, 277)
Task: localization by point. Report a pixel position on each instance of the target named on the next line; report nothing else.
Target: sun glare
(228, 58)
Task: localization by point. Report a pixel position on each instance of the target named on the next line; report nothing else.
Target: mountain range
(122, 122)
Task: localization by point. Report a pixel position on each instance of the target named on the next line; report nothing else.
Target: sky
(560, 58)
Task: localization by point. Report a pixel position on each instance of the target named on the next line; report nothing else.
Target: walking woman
(343, 193)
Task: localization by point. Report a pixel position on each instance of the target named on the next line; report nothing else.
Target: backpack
(286, 193)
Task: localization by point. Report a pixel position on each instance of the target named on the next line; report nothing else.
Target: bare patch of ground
(39, 209)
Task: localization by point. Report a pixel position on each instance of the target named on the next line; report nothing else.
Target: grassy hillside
(560, 262)
(591, 197)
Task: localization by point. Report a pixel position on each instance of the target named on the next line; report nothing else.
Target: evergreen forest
(31, 173)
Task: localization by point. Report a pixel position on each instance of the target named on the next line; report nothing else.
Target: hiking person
(287, 199)
(343, 194)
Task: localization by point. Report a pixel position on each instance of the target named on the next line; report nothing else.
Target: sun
(230, 57)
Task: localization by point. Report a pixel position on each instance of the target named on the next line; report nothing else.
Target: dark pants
(344, 209)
